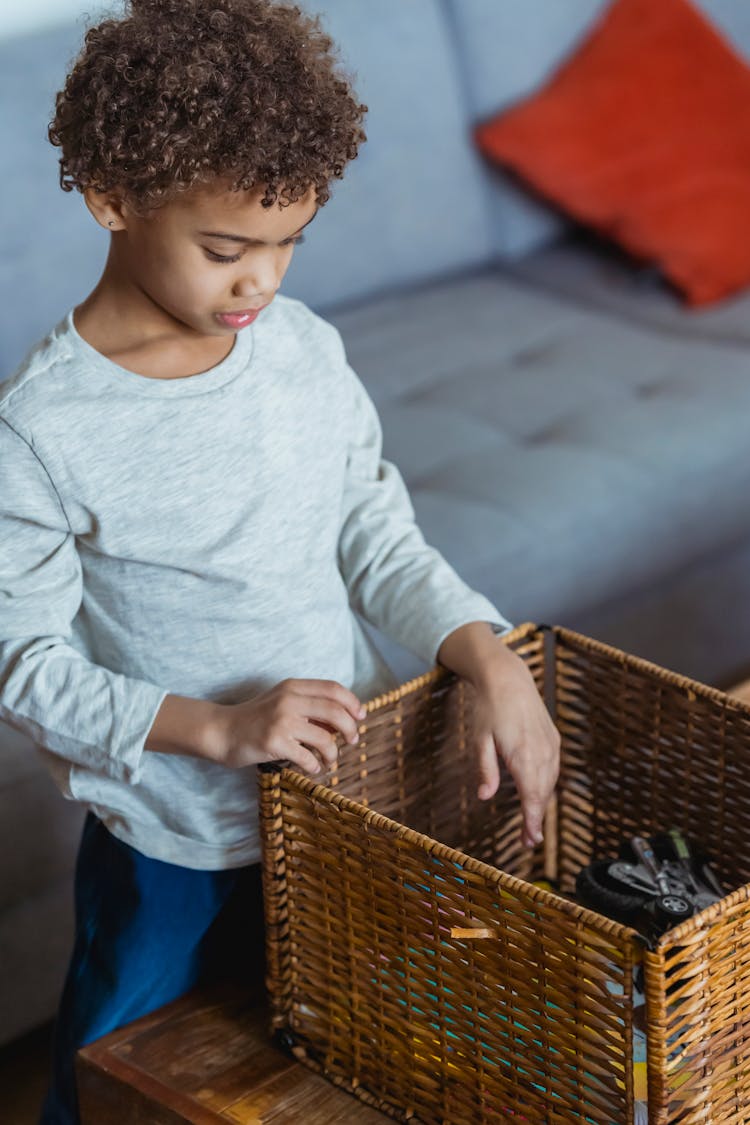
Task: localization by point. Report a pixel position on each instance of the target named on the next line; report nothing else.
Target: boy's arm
(100, 719)
(406, 588)
(395, 579)
(82, 711)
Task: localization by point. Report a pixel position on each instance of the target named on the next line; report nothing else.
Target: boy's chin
(208, 325)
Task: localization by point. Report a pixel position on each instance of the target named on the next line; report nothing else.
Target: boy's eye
(213, 257)
(222, 257)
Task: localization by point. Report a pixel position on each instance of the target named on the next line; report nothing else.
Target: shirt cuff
(478, 608)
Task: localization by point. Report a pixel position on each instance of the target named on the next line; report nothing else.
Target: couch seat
(544, 428)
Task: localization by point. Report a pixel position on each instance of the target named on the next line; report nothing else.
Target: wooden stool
(207, 1059)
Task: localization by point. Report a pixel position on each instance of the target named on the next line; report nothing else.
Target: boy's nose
(260, 280)
(255, 287)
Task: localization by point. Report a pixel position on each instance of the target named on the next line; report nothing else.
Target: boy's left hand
(511, 723)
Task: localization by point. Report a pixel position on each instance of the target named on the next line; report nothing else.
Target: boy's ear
(108, 208)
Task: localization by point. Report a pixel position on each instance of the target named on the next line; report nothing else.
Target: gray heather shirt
(206, 536)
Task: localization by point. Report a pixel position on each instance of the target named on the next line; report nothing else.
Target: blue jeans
(146, 932)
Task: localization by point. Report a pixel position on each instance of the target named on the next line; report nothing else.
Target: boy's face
(211, 259)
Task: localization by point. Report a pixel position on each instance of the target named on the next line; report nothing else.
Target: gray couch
(574, 440)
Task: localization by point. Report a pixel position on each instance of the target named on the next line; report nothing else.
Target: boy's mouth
(239, 319)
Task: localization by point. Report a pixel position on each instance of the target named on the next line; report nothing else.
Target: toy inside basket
(411, 958)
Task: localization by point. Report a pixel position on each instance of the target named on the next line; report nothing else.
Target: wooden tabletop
(207, 1059)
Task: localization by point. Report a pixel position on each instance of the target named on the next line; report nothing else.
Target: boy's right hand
(296, 721)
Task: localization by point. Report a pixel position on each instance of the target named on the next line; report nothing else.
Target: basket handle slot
(472, 933)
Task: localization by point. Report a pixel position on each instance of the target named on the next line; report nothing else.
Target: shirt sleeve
(81, 711)
(395, 580)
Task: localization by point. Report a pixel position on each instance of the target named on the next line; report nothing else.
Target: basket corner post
(654, 973)
(275, 905)
(549, 695)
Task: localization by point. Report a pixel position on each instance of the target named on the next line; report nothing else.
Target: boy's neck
(121, 322)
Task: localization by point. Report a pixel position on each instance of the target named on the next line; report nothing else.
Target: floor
(24, 1066)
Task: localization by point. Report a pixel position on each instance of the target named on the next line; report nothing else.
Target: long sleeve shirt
(207, 536)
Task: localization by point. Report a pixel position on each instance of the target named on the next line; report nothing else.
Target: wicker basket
(411, 959)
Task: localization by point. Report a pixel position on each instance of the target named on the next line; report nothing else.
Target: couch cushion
(19, 759)
(36, 932)
(539, 439)
(653, 154)
(589, 272)
(692, 622)
(39, 835)
(508, 50)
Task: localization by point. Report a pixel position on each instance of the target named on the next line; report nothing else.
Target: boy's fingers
(532, 810)
(331, 690)
(303, 758)
(320, 741)
(489, 769)
(332, 717)
(326, 726)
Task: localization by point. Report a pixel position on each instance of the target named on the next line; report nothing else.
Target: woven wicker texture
(411, 959)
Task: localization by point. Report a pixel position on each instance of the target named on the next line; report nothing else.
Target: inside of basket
(643, 751)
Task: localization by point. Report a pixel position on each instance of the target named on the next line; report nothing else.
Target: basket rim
(676, 679)
(718, 912)
(529, 628)
(440, 672)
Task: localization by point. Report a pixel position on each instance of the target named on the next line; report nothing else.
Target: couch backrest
(508, 48)
(51, 251)
(417, 203)
(412, 206)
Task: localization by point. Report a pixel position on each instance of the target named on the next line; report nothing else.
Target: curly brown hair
(179, 93)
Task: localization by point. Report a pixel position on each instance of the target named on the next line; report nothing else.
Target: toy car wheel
(671, 909)
(595, 888)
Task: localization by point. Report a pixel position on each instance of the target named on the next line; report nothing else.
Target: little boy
(193, 504)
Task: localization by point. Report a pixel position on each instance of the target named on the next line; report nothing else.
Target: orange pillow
(644, 135)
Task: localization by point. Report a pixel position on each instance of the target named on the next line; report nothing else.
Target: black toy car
(654, 884)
